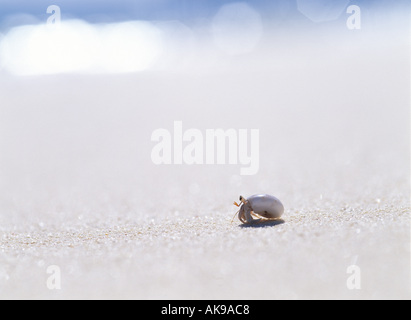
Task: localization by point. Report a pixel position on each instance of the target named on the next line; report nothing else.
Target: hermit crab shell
(266, 205)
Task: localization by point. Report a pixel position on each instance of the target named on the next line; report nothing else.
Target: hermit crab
(262, 206)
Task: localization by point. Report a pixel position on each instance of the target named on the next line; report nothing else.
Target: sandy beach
(86, 214)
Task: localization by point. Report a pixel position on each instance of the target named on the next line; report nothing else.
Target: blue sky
(185, 10)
